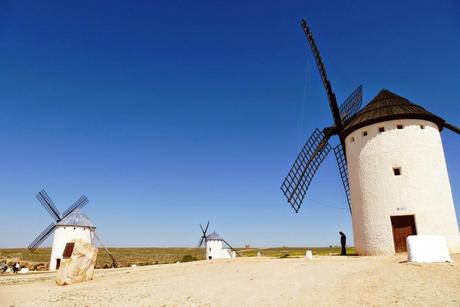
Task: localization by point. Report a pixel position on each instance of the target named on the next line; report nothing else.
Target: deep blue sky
(169, 113)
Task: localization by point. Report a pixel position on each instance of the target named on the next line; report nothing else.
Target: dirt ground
(323, 281)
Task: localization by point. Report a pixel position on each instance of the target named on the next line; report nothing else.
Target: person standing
(343, 243)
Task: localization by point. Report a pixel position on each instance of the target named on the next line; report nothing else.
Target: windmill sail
(203, 236)
(46, 201)
(352, 104)
(79, 203)
(296, 183)
(42, 237)
(343, 168)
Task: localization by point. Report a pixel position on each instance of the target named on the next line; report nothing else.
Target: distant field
(146, 256)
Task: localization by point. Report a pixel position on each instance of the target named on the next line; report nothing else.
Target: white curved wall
(63, 235)
(215, 250)
(423, 189)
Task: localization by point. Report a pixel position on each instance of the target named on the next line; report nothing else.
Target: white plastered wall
(63, 235)
(214, 248)
(422, 189)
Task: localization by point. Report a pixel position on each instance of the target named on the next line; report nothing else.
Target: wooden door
(403, 226)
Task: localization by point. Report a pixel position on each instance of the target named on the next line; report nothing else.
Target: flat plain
(146, 256)
(250, 281)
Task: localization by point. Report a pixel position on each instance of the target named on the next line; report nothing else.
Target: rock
(78, 264)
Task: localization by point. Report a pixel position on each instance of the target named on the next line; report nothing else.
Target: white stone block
(24, 271)
(427, 248)
(309, 255)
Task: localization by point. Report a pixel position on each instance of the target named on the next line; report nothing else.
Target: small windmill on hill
(72, 224)
(392, 167)
(214, 245)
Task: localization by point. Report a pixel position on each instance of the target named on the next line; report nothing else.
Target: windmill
(317, 147)
(214, 245)
(392, 167)
(72, 224)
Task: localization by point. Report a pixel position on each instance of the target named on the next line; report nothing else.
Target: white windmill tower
(72, 224)
(392, 166)
(214, 245)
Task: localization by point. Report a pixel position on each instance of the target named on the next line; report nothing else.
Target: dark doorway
(209, 257)
(403, 226)
(58, 263)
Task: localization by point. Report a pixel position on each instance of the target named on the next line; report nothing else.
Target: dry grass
(147, 256)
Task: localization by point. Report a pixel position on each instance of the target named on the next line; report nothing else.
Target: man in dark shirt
(343, 242)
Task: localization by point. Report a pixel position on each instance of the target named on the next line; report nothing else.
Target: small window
(352, 139)
(399, 126)
(74, 228)
(397, 171)
(364, 133)
(381, 129)
(422, 127)
(209, 249)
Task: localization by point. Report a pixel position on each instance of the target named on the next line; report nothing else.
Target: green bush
(188, 258)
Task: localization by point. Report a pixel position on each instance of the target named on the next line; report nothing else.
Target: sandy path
(324, 281)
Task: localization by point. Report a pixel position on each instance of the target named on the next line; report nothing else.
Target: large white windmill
(392, 166)
(72, 224)
(214, 245)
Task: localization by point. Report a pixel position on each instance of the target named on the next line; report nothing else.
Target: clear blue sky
(169, 113)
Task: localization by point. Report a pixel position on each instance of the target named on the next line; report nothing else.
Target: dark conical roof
(388, 106)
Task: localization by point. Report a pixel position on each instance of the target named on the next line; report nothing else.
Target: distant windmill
(214, 245)
(72, 224)
(392, 166)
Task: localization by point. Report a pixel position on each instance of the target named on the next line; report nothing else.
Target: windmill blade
(322, 71)
(201, 242)
(42, 237)
(343, 168)
(206, 229)
(80, 203)
(352, 104)
(452, 127)
(46, 201)
(231, 248)
(296, 183)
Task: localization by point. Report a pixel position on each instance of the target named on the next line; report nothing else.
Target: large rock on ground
(79, 266)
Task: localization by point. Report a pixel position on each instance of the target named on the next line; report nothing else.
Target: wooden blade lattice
(352, 104)
(48, 204)
(79, 203)
(297, 181)
(343, 168)
(42, 237)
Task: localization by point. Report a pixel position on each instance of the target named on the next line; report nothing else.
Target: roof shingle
(388, 106)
